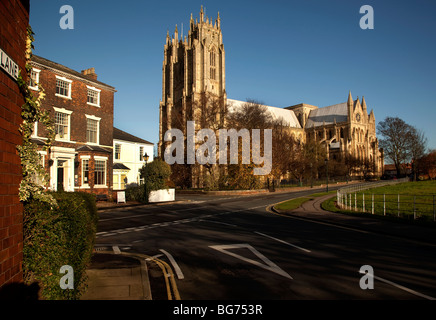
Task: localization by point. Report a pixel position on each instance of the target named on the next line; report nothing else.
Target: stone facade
(193, 72)
(345, 130)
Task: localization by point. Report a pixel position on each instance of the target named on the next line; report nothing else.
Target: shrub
(53, 237)
(135, 193)
(155, 175)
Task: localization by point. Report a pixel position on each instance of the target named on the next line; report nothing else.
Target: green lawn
(297, 202)
(410, 200)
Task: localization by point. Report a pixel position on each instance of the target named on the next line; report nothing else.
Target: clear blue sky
(279, 52)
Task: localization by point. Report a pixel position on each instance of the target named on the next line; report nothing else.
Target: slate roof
(87, 147)
(122, 135)
(62, 68)
(287, 115)
(328, 115)
(120, 166)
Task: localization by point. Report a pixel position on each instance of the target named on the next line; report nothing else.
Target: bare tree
(396, 140)
(427, 164)
(418, 146)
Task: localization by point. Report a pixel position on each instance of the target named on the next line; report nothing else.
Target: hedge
(54, 237)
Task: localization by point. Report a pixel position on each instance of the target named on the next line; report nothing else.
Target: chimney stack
(90, 73)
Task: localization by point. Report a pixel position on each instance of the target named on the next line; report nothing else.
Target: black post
(327, 172)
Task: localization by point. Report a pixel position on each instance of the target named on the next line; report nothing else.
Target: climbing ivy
(31, 112)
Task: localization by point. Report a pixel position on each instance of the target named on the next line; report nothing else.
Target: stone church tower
(193, 67)
(193, 74)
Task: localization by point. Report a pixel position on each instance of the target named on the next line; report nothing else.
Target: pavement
(117, 277)
(125, 277)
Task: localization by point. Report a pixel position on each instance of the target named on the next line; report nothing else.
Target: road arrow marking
(279, 240)
(267, 265)
(174, 263)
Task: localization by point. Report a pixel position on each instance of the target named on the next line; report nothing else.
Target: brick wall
(14, 18)
(77, 104)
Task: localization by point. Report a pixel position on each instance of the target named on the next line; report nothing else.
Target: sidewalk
(312, 210)
(117, 277)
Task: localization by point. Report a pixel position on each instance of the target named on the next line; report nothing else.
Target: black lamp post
(326, 161)
(145, 157)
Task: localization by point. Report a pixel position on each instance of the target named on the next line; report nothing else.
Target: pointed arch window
(212, 63)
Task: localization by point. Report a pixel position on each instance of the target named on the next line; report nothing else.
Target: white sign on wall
(8, 65)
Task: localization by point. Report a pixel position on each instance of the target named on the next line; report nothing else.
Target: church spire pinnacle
(364, 104)
(201, 14)
(350, 98)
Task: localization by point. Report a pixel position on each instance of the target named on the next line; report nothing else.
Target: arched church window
(212, 64)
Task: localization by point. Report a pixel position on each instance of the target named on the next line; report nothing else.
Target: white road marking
(156, 256)
(267, 265)
(174, 264)
(168, 223)
(282, 241)
(116, 249)
(219, 222)
(399, 286)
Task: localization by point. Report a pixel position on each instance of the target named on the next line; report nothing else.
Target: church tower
(193, 73)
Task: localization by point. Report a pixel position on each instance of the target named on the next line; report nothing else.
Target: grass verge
(297, 202)
(423, 194)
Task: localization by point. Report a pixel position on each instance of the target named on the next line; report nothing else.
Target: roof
(87, 147)
(277, 113)
(328, 115)
(62, 68)
(122, 135)
(120, 166)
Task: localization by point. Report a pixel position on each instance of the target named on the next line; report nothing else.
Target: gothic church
(193, 72)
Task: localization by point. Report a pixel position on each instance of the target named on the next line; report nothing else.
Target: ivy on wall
(31, 112)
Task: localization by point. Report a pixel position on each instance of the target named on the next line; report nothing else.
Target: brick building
(82, 107)
(14, 19)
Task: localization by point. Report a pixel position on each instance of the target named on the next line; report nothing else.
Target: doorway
(60, 175)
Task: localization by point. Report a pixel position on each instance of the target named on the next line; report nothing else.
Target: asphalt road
(231, 247)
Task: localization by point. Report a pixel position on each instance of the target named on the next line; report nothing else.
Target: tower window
(212, 65)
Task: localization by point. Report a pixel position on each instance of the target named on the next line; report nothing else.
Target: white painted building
(128, 159)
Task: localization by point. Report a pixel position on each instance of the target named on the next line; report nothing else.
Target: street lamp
(145, 157)
(326, 161)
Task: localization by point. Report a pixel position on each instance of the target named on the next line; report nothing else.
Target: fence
(410, 206)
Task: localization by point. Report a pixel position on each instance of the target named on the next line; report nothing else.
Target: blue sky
(279, 52)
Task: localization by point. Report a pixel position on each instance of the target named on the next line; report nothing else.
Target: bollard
(355, 201)
(414, 207)
(398, 205)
